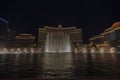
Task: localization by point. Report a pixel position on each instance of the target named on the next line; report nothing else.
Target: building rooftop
(25, 36)
(60, 27)
(116, 24)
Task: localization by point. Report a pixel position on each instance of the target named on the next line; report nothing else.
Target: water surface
(59, 65)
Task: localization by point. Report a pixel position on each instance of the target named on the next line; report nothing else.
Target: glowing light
(112, 50)
(102, 50)
(84, 50)
(31, 50)
(3, 20)
(93, 50)
(65, 48)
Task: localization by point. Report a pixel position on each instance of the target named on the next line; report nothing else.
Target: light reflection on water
(59, 65)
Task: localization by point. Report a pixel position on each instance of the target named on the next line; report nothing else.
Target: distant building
(50, 38)
(7, 35)
(111, 36)
(25, 40)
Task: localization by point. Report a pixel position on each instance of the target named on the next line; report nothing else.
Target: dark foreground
(59, 66)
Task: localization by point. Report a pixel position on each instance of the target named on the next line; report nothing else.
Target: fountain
(57, 42)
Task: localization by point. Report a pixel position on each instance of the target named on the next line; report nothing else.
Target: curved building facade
(59, 39)
(110, 36)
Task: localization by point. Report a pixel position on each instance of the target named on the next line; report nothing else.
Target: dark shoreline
(78, 78)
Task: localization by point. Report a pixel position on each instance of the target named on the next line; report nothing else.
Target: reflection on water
(58, 65)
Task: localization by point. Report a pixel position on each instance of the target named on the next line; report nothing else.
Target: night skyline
(92, 16)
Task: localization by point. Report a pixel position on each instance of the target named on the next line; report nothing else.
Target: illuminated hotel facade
(53, 39)
(110, 37)
(25, 40)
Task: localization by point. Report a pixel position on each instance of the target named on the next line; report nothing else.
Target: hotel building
(59, 39)
(110, 37)
(25, 40)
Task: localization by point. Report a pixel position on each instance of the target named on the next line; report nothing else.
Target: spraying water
(57, 42)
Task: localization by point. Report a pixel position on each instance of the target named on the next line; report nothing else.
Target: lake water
(59, 65)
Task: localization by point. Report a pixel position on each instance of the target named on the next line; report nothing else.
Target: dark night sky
(93, 16)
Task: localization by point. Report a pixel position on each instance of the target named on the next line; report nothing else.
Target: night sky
(93, 16)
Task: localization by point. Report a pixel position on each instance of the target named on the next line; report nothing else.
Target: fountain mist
(57, 42)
